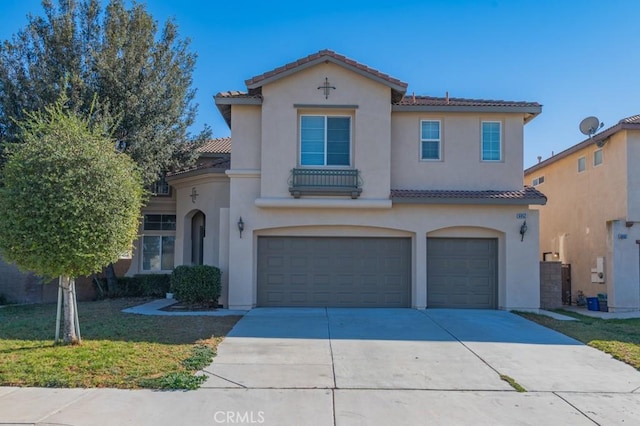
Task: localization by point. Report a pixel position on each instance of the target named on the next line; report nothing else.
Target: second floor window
(430, 140)
(491, 141)
(582, 164)
(325, 140)
(597, 157)
(161, 187)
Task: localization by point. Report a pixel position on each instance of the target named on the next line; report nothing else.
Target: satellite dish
(590, 125)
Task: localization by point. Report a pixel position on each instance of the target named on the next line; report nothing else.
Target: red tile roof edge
(318, 55)
(527, 193)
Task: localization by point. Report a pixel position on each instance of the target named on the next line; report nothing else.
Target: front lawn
(619, 338)
(118, 350)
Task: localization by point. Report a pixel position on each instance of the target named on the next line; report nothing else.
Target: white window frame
(325, 165)
(423, 140)
(584, 167)
(601, 157)
(482, 123)
(156, 233)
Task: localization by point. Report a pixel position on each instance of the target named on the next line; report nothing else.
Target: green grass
(517, 386)
(619, 338)
(118, 350)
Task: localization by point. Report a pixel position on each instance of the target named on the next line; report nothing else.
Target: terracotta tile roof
(216, 146)
(238, 94)
(436, 101)
(634, 119)
(318, 57)
(527, 195)
(209, 163)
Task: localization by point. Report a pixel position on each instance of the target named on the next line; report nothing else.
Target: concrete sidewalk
(368, 367)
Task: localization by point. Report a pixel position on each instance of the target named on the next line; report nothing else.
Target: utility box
(597, 273)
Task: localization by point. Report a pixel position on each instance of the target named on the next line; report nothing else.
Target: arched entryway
(198, 231)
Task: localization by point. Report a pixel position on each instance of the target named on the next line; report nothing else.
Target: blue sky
(575, 58)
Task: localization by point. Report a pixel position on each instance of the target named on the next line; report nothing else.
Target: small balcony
(325, 182)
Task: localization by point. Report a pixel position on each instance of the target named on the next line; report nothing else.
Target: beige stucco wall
(213, 197)
(633, 175)
(518, 267)
(581, 220)
(369, 105)
(246, 143)
(461, 166)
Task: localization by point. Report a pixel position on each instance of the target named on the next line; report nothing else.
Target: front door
(197, 238)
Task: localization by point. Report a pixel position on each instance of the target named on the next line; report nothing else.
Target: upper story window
(582, 164)
(161, 187)
(537, 181)
(325, 140)
(597, 157)
(159, 222)
(430, 141)
(491, 141)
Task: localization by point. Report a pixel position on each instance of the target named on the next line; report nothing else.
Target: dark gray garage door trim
(334, 271)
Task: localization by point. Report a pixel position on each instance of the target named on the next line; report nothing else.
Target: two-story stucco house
(344, 191)
(592, 219)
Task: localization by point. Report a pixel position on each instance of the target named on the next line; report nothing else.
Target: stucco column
(622, 270)
(241, 294)
(223, 256)
(419, 279)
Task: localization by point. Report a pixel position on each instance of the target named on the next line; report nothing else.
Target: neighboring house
(344, 191)
(592, 219)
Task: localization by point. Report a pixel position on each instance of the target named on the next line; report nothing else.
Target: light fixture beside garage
(240, 226)
(523, 230)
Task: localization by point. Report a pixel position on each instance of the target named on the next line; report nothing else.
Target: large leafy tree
(142, 75)
(70, 203)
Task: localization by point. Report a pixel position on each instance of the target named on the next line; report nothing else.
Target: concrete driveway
(403, 366)
(368, 367)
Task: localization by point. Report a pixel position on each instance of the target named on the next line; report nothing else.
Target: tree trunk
(112, 281)
(69, 335)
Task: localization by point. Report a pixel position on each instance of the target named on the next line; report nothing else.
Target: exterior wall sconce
(240, 226)
(523, 230)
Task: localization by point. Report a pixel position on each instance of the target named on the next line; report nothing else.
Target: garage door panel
(462, 272)
(372, 272)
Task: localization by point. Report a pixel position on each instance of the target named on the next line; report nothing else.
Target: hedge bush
(147, 285)
(196, 284)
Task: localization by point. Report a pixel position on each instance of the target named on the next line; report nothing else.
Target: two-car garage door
(334, 271)
(375, 272)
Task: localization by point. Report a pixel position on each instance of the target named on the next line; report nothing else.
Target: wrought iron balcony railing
(325, 182)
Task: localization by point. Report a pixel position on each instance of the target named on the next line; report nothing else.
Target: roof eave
(471, 201)
(175, 178)
(529, 111)
(224, 104)
(397, 87)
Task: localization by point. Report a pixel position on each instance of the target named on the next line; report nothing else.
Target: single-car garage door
(337, 272)
(462, 273)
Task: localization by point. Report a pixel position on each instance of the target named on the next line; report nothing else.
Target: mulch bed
(191, 307)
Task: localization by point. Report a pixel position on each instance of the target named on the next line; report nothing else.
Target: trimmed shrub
(148, 285)
(196, 284)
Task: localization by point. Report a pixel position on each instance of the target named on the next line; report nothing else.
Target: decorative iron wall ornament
(194, 194)
(326, 87)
